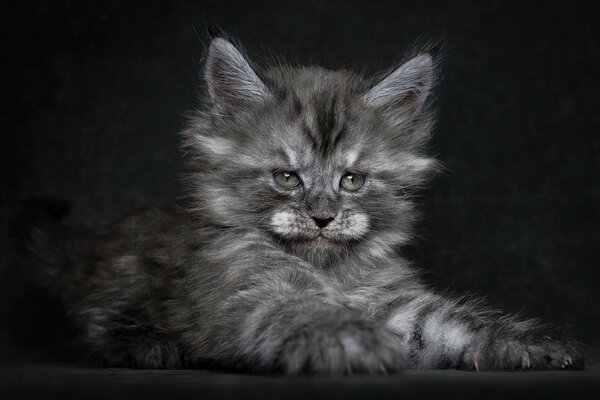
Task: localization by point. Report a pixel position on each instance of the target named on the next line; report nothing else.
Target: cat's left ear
(230, 78)
(404, 91)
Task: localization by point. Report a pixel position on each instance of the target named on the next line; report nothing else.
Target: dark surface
(93, 96)
(58, 381)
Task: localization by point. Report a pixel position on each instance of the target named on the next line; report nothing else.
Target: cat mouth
(322, 238)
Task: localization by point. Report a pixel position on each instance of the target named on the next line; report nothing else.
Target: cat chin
(321, 247)
(321, 242)
(317, 242)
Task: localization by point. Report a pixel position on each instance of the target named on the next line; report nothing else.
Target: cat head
(323, 161)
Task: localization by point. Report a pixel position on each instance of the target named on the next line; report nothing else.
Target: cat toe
(567, 362)
(476, 363)
(525, 360)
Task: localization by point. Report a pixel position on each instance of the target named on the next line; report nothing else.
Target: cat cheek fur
(282, 222)
(347, 225)
(290, 225)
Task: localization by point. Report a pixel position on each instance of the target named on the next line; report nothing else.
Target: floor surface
(67, 381)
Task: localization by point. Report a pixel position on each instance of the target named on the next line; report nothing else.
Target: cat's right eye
(286, 179)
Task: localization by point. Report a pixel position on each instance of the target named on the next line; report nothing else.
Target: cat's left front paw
(538, 353)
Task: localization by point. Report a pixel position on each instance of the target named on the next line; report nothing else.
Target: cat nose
(322, 222)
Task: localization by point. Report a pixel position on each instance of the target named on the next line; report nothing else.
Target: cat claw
(476, 363)
(567, 362)
(525, 360)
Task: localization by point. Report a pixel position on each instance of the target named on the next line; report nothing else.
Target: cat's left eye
(352, 181)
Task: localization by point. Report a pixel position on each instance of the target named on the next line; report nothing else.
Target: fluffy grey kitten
(284, 257)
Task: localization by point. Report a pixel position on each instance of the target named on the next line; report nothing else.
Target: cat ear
(229, 76)
(404, 91)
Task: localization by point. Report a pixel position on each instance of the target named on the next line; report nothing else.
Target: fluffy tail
(51, 248)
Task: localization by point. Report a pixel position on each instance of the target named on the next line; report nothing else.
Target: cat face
(324, 161)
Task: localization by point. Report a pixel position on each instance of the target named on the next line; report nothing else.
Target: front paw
(541, 353)
(342, 347)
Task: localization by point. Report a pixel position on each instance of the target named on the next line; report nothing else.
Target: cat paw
(157, 355)
(540, 354)
(346, 347)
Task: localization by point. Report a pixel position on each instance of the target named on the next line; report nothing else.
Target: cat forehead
(308, 81)
(321, 103)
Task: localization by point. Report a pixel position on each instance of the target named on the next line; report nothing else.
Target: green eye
(352, 181)
(286, 179)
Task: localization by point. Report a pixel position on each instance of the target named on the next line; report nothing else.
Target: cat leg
(139, 349)
(446, 333)
(289, 322)
(156, 352)
(125, 338)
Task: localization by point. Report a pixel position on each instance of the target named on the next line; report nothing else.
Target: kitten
(284, 256)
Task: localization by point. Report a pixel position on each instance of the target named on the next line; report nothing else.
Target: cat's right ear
(230, 78)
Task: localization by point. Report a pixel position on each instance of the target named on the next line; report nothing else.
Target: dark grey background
(93, 95)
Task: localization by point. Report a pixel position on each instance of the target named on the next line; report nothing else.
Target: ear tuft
(406, 89)
(229, 76)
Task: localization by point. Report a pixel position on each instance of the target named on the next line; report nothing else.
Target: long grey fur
(242, 273)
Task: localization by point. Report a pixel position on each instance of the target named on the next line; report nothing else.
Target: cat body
(285, 254)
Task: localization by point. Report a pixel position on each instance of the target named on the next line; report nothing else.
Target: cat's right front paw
(342, 347)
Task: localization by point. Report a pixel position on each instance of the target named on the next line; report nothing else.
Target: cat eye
(352, 181)
(286, 179)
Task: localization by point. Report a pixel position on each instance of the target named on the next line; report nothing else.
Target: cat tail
(51, 250)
